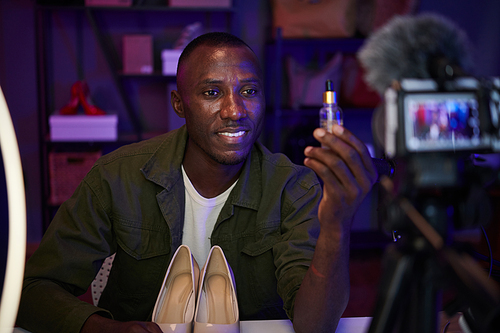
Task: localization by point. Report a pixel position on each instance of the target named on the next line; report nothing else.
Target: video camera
(434, 124)
(433, 130)
(461, 115)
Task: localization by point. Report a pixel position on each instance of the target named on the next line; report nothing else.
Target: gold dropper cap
(329, 95)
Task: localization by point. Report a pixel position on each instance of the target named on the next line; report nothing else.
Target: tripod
(417, 268)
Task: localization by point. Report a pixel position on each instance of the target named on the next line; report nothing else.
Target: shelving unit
(76, 42)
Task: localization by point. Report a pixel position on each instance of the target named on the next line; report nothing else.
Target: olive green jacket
(132, 203)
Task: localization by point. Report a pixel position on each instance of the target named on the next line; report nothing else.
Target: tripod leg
(391, 297)
(428, 298)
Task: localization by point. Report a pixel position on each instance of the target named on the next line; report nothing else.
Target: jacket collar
(248, 191)
(164, 169)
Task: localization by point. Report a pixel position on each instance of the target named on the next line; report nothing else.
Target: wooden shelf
(145, 8)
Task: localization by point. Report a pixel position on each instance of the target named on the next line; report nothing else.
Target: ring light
(16, 250)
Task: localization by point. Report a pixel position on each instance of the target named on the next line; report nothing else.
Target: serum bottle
(330, 113)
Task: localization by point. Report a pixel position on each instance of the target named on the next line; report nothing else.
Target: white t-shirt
(199, 219)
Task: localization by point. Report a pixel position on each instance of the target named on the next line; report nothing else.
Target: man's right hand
(96, 323)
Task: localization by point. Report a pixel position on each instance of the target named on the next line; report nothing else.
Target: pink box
(200, 3)
(124, 3)
(66, 170)
(137, 54)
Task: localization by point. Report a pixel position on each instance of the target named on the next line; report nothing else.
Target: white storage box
(83, 128)
(200, 3)
(170, 58)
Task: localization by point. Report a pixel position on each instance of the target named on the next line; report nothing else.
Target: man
(286, 242)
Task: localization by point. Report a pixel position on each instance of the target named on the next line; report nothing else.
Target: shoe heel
(88, 107)
(72, 107)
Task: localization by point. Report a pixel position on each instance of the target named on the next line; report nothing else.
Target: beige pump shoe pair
(209, 302)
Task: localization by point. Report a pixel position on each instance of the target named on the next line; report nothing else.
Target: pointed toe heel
(217, 305)
(176, 302)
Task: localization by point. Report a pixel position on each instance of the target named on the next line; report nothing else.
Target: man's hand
(347, 171)
(96, 323)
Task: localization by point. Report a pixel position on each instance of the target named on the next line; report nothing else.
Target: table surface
(346, 325)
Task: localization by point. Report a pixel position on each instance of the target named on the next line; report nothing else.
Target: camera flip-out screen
(442, 122)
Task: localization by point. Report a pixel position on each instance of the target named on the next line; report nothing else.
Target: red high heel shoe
(72, 107)
(88, 107)
(80, 95)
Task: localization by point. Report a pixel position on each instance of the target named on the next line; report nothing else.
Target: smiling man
(221, 96)
(208, 183)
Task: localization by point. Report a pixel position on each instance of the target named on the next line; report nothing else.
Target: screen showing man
(442, 121)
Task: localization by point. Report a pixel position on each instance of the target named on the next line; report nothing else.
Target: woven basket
(67, 169)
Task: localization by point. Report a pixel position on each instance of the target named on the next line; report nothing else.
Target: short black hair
(215, 39)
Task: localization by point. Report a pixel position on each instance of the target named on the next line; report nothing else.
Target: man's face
(220, 94)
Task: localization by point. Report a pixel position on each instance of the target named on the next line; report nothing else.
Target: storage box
(137, 54)
(66, 171)
(314, 19)
(83, 128)
(124, 3)
(200, 3)
(170, 59)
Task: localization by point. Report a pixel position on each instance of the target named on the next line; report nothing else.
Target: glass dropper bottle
(330, 113)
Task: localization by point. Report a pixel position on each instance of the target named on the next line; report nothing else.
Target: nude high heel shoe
(175, 305)
(217, 306)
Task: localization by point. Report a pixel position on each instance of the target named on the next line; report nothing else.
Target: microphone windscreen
(404, 46)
